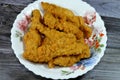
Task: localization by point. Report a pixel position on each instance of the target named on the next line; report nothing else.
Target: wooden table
(107, 69)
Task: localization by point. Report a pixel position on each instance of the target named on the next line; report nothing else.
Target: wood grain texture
(109, 8)
(11, 69)
(16, 2)
(113, 32)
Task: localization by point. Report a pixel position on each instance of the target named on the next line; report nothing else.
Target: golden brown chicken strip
(70, 60)
(32, 39)
(35, 19)
(56, 10)
(62, 13)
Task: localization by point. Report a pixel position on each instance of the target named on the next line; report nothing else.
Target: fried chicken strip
(32, 39)
(56, 10)
(70, 60)
(35, 19)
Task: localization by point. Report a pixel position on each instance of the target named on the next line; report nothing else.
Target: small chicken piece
(35, 19)
(56, 10)
(32, 39)
(85, 28)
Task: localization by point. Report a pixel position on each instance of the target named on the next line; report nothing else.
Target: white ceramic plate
(97, 42)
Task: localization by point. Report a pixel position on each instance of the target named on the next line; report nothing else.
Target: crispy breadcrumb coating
(63, 34)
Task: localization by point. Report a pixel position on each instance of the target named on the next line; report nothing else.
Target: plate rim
(43, 75)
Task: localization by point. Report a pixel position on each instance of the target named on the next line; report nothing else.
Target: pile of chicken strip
(57, 38)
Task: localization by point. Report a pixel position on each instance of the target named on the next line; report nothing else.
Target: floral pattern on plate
(93, 42)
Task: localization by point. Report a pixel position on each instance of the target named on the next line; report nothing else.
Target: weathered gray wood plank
(107, 69)
(17, 2)
(109, 8)
(113, 32)
(11, 69)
